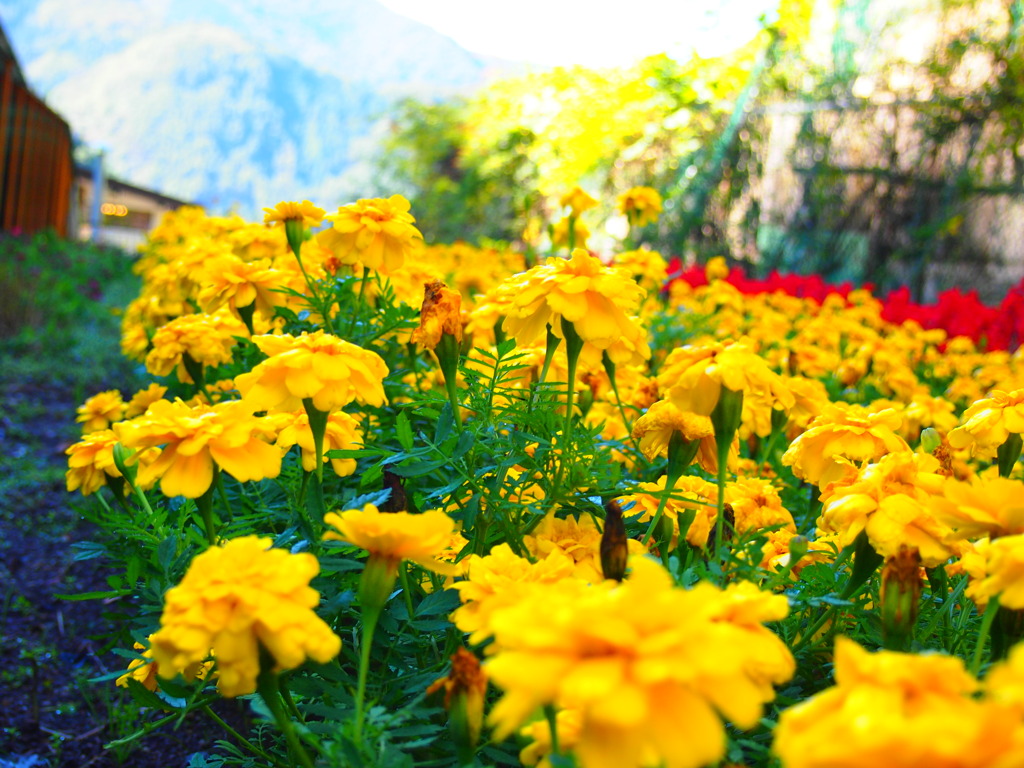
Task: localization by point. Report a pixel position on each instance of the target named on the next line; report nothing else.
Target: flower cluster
(235, 601)
(651, 668)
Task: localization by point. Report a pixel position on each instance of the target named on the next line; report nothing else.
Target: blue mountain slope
(234, 102)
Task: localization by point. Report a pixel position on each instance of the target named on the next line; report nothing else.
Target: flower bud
(121, 457)
(614, 548)
(900, 596)
(295, 232)
(464, 691)
(797, 550)
(440, 315)
(727, 415)
(930, 440)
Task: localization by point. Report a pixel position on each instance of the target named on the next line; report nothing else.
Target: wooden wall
(35, 161)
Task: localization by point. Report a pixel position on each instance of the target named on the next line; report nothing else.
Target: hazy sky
(592, 33)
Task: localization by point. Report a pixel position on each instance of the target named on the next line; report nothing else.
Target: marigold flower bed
(563, 515)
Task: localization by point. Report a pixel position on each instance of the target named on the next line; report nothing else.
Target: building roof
(116, 185)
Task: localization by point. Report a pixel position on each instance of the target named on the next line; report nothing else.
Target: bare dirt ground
(50, 715)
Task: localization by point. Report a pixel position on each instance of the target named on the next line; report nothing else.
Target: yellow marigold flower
(464, 690)
(207, 339)
(560, 233)
(924, 411)
(898, 709)
(689, 493)
(693, 377)
(892, 500)
(239, 284)
(756, 505)
(441, 313)
(989, 422)
(647, 267)
(144, 398)
(810, 398)
(317, 366)
(986, 506)
(654, 430)
(376, 232)
(578, 200)
(141, 670)
(716, 269)
(596, 299)
(641, 205)
(144, 670)
(91, 462)
(194, 438)
(568, 723)
(305, 212)
(579, 539)
(342, 433)
(1005, 681)
(777, 551)
(100, 411)
(999, 572)
(396, 536)
(613, 651)
(235, 599)
(843, 431)
(501, 579)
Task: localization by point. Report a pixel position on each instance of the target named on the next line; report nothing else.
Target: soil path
(49, 648)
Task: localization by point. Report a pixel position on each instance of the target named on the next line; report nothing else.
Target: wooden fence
(35, 161)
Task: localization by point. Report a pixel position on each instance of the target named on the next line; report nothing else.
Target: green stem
(195, 370)
(609, 367)
(318, 426)
(246, 314)
(315, 508)
(369, 625)
(222, 491)
(552, 718)
(359, 302)
(670, 484)
(813, 629)
(986, 626)
(318, 303)
(723, 460)
(549, 354)
(725, 418)
(573, 348)
(237, 736)
(403, 577)
(268, 687)
(286, 696)
(205, 505)
(448, 358)
(141, 496)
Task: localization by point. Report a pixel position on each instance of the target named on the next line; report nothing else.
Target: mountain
(235, 103)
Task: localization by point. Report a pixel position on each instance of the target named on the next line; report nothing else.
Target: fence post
(95, 217)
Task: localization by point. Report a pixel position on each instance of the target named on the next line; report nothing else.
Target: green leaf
(418, 468)
(165, 552)
(445, 422)
(403, 430)
(144, 696)
(438, 603)
(95, 595)
(87, 550)
(466, 441)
